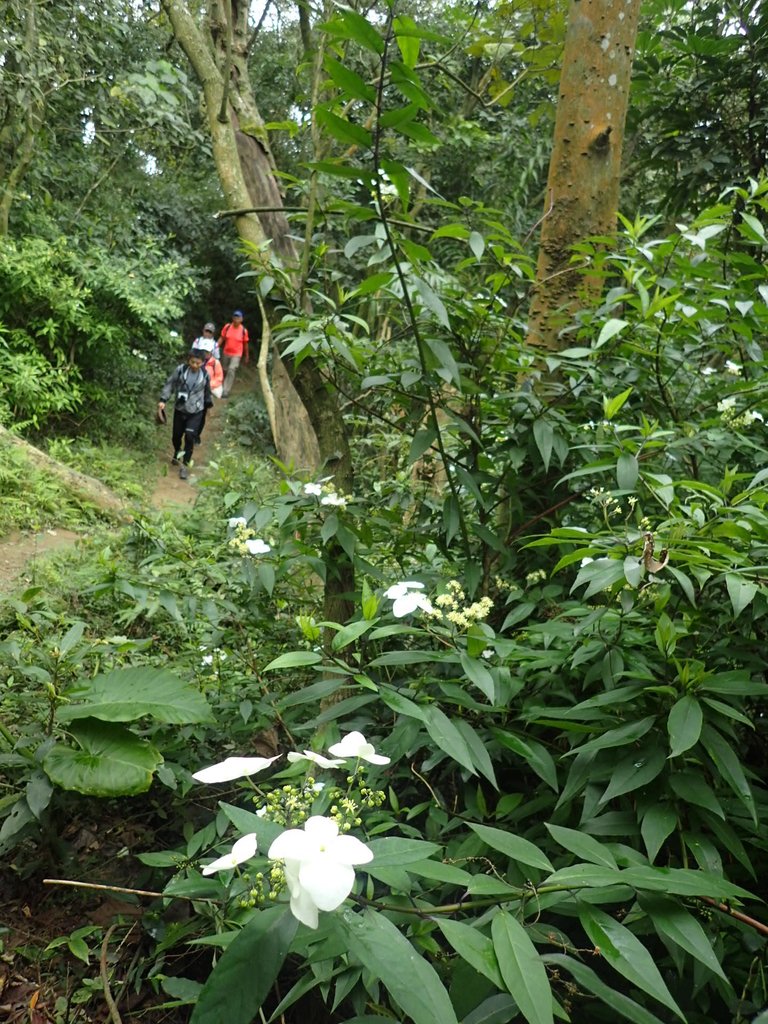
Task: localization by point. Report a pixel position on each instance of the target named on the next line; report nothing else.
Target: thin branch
(114, 1013)
(256, 31)
(131, 892)
(227, 73)
(724, 908)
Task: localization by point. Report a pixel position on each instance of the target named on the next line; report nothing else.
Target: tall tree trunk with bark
(585, 167)
(218, 53)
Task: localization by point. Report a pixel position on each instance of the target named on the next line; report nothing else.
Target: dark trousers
(202, 424)
(185, 425)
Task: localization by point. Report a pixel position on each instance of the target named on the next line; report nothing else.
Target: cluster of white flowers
(611, 506)
(244, 541)
(731, 418)
(139, 355)
(452, 607)
(209, 657)
(732, 367)
(537, 576)
(327, 495)
(317, 861)
(407, 597)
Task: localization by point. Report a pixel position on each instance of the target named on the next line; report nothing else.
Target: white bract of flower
(733, 368)
(319, 868)
(318, 759)
(407, 598)
(752, 414)
(243, 850)
(256, 546)
(314, 490)
(726, 403)
(586, 561)
(233, 768)
(236, 521)
(354, 744)
(334, 499)
(708, 371)
(207, 659)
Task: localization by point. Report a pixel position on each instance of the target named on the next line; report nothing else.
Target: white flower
(236, 521)
(262, 812)
(407, 599)
(207, 659)
(315, 490)
(233, 768)
(488, 653)
(708, 371)
(726, 403)
(354, 744)
(733, 368)
(337, 500)
(752, 414)
(586, 561)
(243, 850)
(318, 787)
(318, 759)
(256, 546)
(318, 866)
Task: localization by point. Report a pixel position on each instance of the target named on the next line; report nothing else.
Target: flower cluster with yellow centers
(611, 506)
(731, 418)
(537, 576)
(290, 804)
(327, 494)
(244, 540)
(451, 607)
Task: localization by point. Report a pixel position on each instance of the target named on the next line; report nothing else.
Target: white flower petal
(327, 882)
(313, 489)
(304, 909)
(349, 850)
(243, 850)
(236, 521)
(233, 768)
(293, 844)
(354, 744)
(321, 830)
(318, 759)
(256, 546)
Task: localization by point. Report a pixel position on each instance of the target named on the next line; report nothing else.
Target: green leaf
(674, 923)
(727, 763)
(513, 846)
(635, 770)
(599, 575)
(583, 845)
(348, 24)
(740, 591)
(613, 998)
(620, 948)
(127, 694)
(544, 435)
(343, 130)
(294, 659)
(521, 968)
(478, 674)
(445, 734)
(246, 972)
(476, 244)
(627, 471)
(619, 737)
(411, 981)
(474, 947)
(684, 725)
(111, 761)
(348, 81)
(391, 851)
(609, 330)
(659, 822)
(477, 751)
(613, 405)
(431, 300)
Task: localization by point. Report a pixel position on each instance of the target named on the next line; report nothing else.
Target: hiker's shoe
(198, 441)
(183, 473)
(174, 461)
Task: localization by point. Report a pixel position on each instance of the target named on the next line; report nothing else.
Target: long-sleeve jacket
(196, 384)
(215, 371)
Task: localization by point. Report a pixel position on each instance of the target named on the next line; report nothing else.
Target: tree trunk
(85, 488)
(584, 172)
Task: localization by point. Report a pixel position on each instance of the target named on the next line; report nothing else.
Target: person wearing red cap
(234, 347)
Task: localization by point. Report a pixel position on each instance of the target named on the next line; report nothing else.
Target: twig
(744, 918)
(131, 892)
(114, 1013)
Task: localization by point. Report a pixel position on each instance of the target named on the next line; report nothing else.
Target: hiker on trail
(234, 347)
(190, 387)
(206, 344)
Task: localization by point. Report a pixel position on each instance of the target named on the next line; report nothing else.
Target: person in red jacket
(234, 347)
(205, 343)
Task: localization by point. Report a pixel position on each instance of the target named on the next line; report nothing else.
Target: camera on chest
(181, 398)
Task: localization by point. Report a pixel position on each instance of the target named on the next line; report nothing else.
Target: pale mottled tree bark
(585, 168)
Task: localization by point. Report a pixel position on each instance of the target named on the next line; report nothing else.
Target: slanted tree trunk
(218, 53)
(584, 172)
(85, 488)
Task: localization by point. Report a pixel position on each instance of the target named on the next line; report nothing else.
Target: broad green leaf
(609, 330)
(476, 244)
(127, 694)
(635, 770)
(619, 737)
(524, 974)
(684, 725)
(474, 947)
(409, 978)
(246, 972)
(544, 435)
(674, 923)
(613, 998)
(349, 81)
(111, 761)
(294, 659)
(613, 405)
(599, 575)
(431, 300)
(627, 471)
(477, 751)
(407, 40)
(659, 822)
(393, 850)
(437, 871)
(498, 1009)
(445, 359)
(478, 674)
(693, 788)
(447, 737)
(72, 637)
(620, 948)
(740, 591)
(584, 846)
(535, 754)
(349, 633)
(348, 24)
(343, 130)
(513, 846)
(401, 704)
(451, 231)
(422, 440)
(728, 765)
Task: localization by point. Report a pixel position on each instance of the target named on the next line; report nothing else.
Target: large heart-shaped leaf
(128, 694)
(111, 761)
